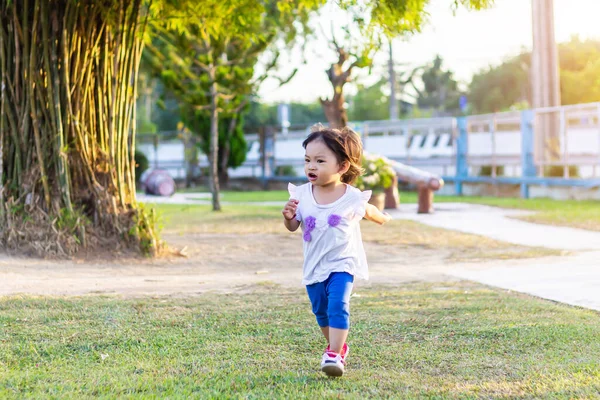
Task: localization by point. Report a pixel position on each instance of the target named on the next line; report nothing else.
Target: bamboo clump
(68, 73)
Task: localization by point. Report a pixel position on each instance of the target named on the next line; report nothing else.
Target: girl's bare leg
(337, 338)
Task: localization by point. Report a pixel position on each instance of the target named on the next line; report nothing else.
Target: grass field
(411, 341)
(415, 341)
(571, 213)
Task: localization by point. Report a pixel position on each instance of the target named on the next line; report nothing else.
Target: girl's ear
(344, 167)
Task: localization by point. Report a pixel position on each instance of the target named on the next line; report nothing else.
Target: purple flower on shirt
(306, 236)
(310, 223)
(334, 220)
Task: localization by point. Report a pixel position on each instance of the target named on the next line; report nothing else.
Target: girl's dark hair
(345, 144)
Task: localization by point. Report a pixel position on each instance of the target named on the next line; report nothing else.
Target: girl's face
(321, 165)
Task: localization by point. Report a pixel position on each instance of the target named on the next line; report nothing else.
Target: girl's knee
(339, 314)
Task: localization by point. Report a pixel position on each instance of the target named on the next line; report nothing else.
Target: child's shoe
(333, 363)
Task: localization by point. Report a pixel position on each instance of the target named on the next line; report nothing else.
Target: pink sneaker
(332, 363)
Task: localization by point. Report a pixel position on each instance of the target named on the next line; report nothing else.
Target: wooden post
(426, 183)
(392, 198)
(425, 200)
(545, 78)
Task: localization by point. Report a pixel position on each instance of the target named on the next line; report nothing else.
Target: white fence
(494, 140)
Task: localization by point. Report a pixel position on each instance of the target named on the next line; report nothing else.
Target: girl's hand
(387, 217)
(372, 213)
(289, 211)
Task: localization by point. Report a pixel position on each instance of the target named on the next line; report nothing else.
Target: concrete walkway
(497, 223)
(202, 199)
(573, 280)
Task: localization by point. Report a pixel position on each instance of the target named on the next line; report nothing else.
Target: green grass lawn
(584, 214)
(414, 341)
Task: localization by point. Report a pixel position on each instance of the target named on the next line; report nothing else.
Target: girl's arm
(373, 214)
(291, 224)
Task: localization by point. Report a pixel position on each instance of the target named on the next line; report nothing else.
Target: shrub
(285, 170)
(378, 176)
(141, 164)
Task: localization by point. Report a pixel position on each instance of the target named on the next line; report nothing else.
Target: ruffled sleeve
(295, 194)
(361, 206)
(292, 189)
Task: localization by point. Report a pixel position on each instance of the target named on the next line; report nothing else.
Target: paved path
(572, 280)
(203, 199)
(497, 223)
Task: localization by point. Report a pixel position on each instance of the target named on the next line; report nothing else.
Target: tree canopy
(439, 92)
(212, 72)
(376, 21)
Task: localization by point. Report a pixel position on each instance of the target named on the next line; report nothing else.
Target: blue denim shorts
(331, 300)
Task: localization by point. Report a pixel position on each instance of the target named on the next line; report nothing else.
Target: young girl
(329, 211)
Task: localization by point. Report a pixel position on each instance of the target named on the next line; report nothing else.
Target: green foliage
(507, 86)
(369, 103)
(145, 126)
(500, 88)
(141, 164)
(157, 109)
(393, 18)
(285, 170)
(440, 90)
(146, 230)
(211, 71)
(234, 142)
(579, 71)
(378, 174)
(375, 21)
(72, 222)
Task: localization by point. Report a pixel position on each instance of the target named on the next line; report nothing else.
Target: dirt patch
(214, 263)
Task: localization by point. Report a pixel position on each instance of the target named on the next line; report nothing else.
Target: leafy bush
(285, 170)
(141, 164)
(378, 176)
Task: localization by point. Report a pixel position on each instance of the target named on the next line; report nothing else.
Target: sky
(468, 41)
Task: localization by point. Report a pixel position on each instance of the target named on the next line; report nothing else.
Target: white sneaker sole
(332, 370)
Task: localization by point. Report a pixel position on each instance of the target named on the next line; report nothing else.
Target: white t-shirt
(331, 233)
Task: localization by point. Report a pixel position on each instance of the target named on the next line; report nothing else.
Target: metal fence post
(462, 148)
(527, 145)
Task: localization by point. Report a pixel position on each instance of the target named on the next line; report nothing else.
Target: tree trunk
(335, 112)
(223, 164)
(225, 151)
(214, 140)
(68, 74)
(334, 109)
